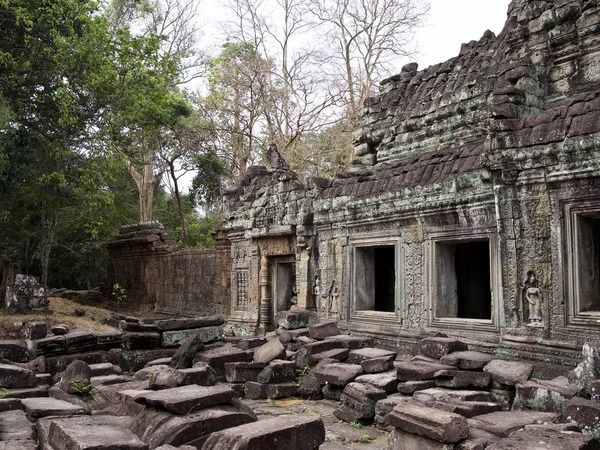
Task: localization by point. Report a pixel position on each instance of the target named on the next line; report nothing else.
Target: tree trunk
(48, 230)
(178, 200)
(144, 180)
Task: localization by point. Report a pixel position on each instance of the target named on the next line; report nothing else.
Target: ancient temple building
(472, 207)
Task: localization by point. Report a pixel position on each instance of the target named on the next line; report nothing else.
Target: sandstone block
(92, 436)
(268, 352)
(247, 344)
(14, 350)
(508, 372)
(175, 338)
(184, 356)
(401, 440)
(44, 407)
(189, 323)
(338, 375)
(467, 360)
(437, 347)
(461, 379)
(137, 327)
(378, 365)
(585, 412)
(362, 354)
(293, 320)
(186, 399)
(503, 423)
(16, 377)
(351, 342)
(417, 371)
(339, 354)
(35, 330)
(168, 378)
(385, 381)
(410, 387)
(362, 398)
(133, 340)
(76, 379)
(278, 371)
(218, 357)
(546, 439)
(253, 390)
(542, 395)
(201, 374)
(322, 330)
(242, 372)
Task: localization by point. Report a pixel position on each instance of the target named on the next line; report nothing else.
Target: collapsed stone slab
(266, 353)
(253, 390)
(16, 377)
(337, 374)
(508, 372)
(467, 360)
(189, 323)
(437, 347)
(362, 354)
(293, 320)
(186, 399)
(218, 357)
(298, 432)
(542, 395)
(547, 439)
(176, 337)
(44, 407)
(14, 350)
(503, 423)
(361, 398)
(67, 435)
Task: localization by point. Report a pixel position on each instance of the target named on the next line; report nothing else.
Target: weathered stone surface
(466, 409)
(431, 423)
(248, 343)
(177, 337)
(80, 340)
(218, 357)
(340, 354)
(362, 354)
(133, 340)
(299, 432)
(163, 428)
(309, 386)
(351, 342)
(278, 371)
(385, 381)
(546, 440)
(337, 374)
(385, 406)
(477, 440)
(92, 436)
(76, 379)
(410, 387)
(378, 365)
(168, 378)
(322, 330)
(108, 339)
(26, 293)
(241, 372)
(189, 323)
(10, 404)
(461, 379)
(101, 369)
(350, 415)
(14, 426)
(467, 360)
(253, 390)
(186, 399)
(437, 347)
(362, 398)
(44, 407)
(445, 395)
(293, 320)
(508, 372)
(586, 413)
(13, 350)
(503, 423)
(201, 374)
(184, 356)
(51, 345)
(333, 393)
(312, 348)
(16, 377)
(401, 440)
(268, 352)
(541, 395)
(418, 370)
(60, 329)
(137, 327)
(35, 330)
(107, 380)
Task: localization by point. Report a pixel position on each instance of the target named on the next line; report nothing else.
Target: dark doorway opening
(385, 279)
(375, 278)
(588, 251)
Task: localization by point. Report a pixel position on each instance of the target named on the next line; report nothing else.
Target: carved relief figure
(332, 300)
(275, 159)
(532, 295)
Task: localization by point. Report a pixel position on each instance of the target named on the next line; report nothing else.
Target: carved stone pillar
(265, 299)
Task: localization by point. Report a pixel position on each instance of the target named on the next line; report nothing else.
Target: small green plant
(365, 438)
(95, 333)
(355, 424)
(118, 293)
(82, 387)
(266, 413)
(3, 392)
(305, 370)
(149, 375)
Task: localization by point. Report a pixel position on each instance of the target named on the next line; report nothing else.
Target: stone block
(247, 344)
(80, 340)
(466, 409)
(253, 390)
(467, 360)
(362, 398)
(201, 374)
(92, 436)
(14, 350)
(386, 381)
(437, 347)
(351, 342)
(268, 352)
(167, 378)
(339, 354)
(294, 320)
(35, 330)
(297, 333)
(26, 293)
(410, 387)
(320, 346)
(16, 377)
(107, 339)
(362, 354)
(385, 406)
(461, 379)
(546, 439)
(186, 399)
(185, 354)
(76, 379)
(508, 372)
(242, 372)
(542, 395)
(104, 369)
(140, 341)
(417, 371)
(477, 440)
(218, 357)
(440, 426)
(586, 413)
(107, 380)
(449, 395)
(298, 432)
(348, 414)
(44, 407)
(278, 371)
(320, 331)
(378, 365)
(189, 323)
(333, 393)
(401, 440)
(60, 329)
(137, 327)
(14, 426)
(175, 338)
(338, 375)
(51, 345)
(503, 423)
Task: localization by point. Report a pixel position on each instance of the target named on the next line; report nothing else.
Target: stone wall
(156, 278)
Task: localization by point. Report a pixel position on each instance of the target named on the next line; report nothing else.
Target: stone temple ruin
(445, 288)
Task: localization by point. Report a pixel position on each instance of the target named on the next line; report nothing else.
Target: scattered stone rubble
(93, 392)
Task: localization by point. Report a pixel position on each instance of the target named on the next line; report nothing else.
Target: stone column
(303, 279)
(265, 299)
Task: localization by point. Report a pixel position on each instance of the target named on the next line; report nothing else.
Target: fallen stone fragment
(362, 354)
(137, 327)
(586, 413)
(133, 340)
(467, 360)
(298, 432)
(431, 423)
(340, 354)
(385, 406)
(417, 370)
(218, 357)
(14, 426)
(322, 330)
(315, 347)
(462, 379)
(35, 330)
(266, 353)
(503, 423)
(309, 385)
(508, 372)
(44, 407)
(185, 399)
(147, 372)
(77, 436)
(241, 372)
(466, 409)
(189, 323)
(107, 339)
(167, 379)
(248, 343)
(102, 369)
(410, 387)
(14, 350)
(16, 377)
(437, 347)
(477, 440)
(378, 365)
(60, 329)
(294, 320)
(185, 354)
(542, 395)
(401, 440)
(80, 340)
(338, 374)
(107, 380)
(76, 379)
(547, 440)
(351, 342)
(201, 374)
(253, 390)
(386, 381)
(278, 371)
(362, 398)
(51, 345)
